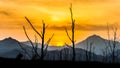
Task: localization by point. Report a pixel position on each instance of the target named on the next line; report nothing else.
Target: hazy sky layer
(90, 15)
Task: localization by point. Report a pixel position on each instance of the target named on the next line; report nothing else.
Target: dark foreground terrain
(57, 64)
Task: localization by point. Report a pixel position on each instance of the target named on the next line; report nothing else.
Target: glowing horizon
(91, 17)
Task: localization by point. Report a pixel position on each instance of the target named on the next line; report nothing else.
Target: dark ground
(57, 64)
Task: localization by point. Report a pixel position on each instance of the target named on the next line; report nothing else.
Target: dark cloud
(84, 27)
(58, 27)
(92, 27)
(5, 13)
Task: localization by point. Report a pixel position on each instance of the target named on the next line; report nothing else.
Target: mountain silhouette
(97, 42)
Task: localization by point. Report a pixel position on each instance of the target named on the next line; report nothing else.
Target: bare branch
(44, 23)
(109, 44)
(28, 38)
(68, 34)
(24, 50)
(47, 43)
(71, 13)
(34, 49)
(36, 43)
(33, 27)
(68, 45)
(36, 46)
(46, 27)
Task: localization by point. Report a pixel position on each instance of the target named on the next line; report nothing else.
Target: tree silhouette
(89, 49)
(112, 44)
(73, 30)
(44, 45)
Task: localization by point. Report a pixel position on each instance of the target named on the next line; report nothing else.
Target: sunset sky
(91, 17)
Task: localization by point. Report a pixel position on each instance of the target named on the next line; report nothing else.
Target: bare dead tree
(34, 50)
(44, 45)
(112, 44)
(105, 53)
(89, 50)
(24, 50)
(87, 53)
(35, 54)
(72, 38)
(108, 48)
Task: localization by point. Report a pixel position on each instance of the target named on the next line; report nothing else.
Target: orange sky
(91, 17)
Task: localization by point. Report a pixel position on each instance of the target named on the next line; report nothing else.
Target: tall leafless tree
(44, 45)
(73, 31)
(112, 44)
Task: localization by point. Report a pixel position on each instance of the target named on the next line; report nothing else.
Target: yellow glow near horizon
(60, 44)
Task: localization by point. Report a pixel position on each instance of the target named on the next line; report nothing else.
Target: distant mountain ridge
(9, 48)
(97, 42)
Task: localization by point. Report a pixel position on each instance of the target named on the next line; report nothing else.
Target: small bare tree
(89, 50)
(105, 54)
(112, 44)
(44, 45)
(34, 50)
(73, 30)
(26, 54)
